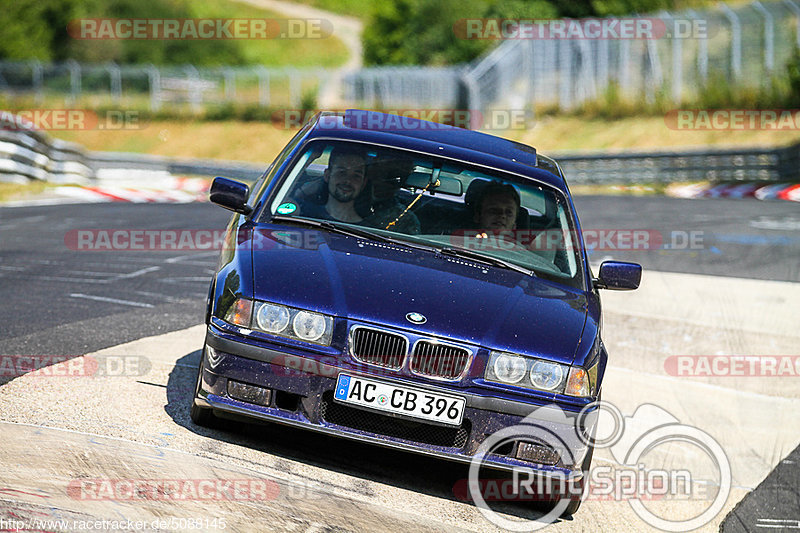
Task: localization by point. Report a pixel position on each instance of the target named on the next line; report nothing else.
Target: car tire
(202, 416)
(575, 503)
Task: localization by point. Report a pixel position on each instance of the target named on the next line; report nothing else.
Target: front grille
(439, 360)
(378, 347)
(409, 430)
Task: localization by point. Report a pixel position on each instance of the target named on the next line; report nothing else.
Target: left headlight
(282, 320)
(309, 326)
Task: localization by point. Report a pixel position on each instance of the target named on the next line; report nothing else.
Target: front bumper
(302, 396)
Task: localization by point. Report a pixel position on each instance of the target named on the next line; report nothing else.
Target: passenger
(497, 208)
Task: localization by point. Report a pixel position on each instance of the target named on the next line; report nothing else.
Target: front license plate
(391, 398)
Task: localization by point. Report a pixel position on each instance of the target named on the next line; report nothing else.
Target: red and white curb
(775, 191)
(133, 188)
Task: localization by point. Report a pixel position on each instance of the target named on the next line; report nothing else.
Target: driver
(348, 194)
(345, 178)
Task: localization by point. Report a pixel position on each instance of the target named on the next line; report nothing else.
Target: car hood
(381, 283)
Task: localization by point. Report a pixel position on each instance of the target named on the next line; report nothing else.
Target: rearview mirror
(619, 276)
(230, 194)
(443, 184)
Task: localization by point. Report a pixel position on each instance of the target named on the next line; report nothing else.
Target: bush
(793, 78)
(420, 32)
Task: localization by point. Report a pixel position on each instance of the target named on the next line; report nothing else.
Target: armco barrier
(707, 164)
(195, 167)
(28, 154)
(715, 165)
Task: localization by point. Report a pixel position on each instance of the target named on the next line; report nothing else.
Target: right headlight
(546, 375)
(541, 375)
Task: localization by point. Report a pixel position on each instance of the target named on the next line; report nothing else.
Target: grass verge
(260, 141)
(18, 191)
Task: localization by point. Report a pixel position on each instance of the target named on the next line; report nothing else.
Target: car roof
(437, 139)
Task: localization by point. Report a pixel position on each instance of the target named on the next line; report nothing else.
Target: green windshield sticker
(285, 209)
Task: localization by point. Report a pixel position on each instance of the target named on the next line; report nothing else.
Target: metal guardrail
(715, 165)
(744, 45)
(240, 170)
(196, 87)
(29, 154)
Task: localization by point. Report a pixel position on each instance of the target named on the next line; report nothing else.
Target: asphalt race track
(724, 292)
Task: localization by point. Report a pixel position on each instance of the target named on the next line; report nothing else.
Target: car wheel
(202, 416)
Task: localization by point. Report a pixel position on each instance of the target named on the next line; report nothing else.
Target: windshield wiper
(332, 226)
(483, 258)
(351, 231)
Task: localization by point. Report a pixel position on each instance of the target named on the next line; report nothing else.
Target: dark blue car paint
(362, 282)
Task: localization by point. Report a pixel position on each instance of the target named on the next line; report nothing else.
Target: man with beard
(345, 178)
(338, 196)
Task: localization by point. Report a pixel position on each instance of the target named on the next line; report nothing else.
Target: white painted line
(157, 295)
(180, 258)
(110, 300)
(137, 273)
(776, 523)
(71, 280)
(89, 273)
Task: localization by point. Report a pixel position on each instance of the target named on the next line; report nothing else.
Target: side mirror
(230, 194)
(619, 276)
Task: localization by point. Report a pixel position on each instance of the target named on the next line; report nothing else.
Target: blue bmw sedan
(411, 285)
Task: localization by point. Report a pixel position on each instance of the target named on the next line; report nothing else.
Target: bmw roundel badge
(416, 318)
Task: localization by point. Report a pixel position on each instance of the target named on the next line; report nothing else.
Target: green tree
(410, 32)
(35, 29)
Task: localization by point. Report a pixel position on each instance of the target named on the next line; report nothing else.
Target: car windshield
(447, 205)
